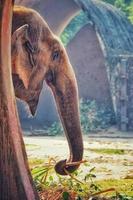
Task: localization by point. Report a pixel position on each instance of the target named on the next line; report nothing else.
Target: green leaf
(65, 196)
(92, 175)
(51, 178)
(37, 170)
(39, 175)
(92, 169)
(95, 187)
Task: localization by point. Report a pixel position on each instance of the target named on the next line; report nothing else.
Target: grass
(111, 151)
(122, 186)
(32, 146)
(34, 162)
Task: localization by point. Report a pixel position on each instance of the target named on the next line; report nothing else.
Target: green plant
(130, 12)
(95, 117)
(124, 5)
(55, 129)
(121, 197)
(73, 27)
(81, 19)
(45, 178)
(109, 151)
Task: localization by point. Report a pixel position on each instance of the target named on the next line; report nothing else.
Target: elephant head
(37, 55)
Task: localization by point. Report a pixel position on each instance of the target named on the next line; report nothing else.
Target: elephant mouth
(33, 100)
(32, 103)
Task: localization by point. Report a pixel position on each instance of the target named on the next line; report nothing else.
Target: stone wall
(87, 59)
(124, 92)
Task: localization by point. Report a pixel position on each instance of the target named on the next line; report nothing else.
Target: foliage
(73, 27)
(121, 197)
(46, 179)
(130, 11)
(81, 19)
(110, 151)
(124, 5)
(123, 187)
(55, 129)
(95, 117)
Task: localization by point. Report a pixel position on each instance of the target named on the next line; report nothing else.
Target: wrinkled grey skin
(37, 55)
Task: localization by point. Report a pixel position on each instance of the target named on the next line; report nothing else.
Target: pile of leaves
(62, 194)
(52, 186)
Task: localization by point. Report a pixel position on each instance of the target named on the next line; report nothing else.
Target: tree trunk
(15, 178)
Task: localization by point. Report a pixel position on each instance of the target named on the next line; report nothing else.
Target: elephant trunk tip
(63, 168)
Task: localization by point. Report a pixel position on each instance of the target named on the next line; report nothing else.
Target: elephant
(37, 56)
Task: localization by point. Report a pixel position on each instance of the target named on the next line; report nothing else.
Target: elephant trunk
(66, 96)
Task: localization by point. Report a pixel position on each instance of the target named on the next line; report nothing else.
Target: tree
(15, 178)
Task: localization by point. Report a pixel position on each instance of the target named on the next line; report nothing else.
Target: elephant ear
(20, 32)
(24, 40)
(22, 35)
(22, 53)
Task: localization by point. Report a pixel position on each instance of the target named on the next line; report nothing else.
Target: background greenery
(94, 118)
(73, 27)
(124, 5)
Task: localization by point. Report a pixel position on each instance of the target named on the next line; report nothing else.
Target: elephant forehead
(44, 47)
(44, 53)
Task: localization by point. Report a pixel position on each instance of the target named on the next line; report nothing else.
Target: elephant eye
(55, 55)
